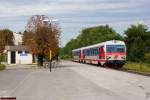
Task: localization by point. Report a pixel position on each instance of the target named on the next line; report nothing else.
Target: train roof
(76, 49)
(114, 42)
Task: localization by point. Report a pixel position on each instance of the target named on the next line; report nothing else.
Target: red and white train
(110, 53)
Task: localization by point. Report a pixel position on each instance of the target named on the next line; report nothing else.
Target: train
(109, 53)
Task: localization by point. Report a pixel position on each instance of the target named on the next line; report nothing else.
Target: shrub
(3, 58)
(147, 58)
(65, 57)
(2, 66)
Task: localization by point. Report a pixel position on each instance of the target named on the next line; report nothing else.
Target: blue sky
(75, 15)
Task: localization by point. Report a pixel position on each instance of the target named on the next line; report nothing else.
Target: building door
(13, 57)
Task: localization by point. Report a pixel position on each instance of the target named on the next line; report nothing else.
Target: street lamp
(48, 22)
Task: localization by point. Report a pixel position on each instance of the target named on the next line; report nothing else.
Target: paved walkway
(73, 81)
(19, 66)
(127, 85)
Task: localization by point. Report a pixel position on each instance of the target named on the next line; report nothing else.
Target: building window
(19, 52)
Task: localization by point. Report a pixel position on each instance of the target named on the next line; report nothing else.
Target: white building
(18, 55)
(17, 38)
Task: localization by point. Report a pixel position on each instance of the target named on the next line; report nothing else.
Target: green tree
(137, 39)
(91, 36)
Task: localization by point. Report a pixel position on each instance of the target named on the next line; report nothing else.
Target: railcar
(110, 53)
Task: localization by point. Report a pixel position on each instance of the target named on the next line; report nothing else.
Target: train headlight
(123, 58)
(107, 57)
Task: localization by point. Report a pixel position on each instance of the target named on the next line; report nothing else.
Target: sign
(23, 54)
(50, 55)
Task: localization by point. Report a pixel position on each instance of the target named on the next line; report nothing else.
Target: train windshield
(115, 48)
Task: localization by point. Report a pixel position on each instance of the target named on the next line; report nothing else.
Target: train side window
(78, 53)
(83, 52)
(96, 51)
(93, 52)
(90, 52)
(87, 53)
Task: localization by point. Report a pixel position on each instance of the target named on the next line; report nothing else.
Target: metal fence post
(50, 65)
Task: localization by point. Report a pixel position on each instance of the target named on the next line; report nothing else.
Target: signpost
(50, 60)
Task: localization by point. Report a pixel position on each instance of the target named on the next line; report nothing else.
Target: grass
(138, 67)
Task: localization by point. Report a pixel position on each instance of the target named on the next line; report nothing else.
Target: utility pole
(50, 60)
(49, 23)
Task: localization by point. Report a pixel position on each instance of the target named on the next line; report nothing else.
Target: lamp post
(49, 24)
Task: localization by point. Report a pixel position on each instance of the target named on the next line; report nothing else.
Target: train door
(81, 55)
(102, 55)
(99, 53)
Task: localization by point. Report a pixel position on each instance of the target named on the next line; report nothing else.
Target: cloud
(75, 15)
(64, 6)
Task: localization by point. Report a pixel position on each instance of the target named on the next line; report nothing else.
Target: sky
(75, 15)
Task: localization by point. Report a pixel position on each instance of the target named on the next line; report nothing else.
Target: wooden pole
(50, 58)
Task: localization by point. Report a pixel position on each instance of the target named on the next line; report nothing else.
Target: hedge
(2, 66)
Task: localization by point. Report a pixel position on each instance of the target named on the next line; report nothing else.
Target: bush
(3, 58)
(138, 67)
(147, 58)
(2, 66)
(65, 57)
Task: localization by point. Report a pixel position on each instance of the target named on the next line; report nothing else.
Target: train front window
(115, 48)
(120, 48)
(110, 48)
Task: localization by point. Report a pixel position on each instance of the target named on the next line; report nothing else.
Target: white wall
(20, 59)
(25, 59)
(8, 57)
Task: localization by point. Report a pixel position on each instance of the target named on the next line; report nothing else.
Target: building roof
(16, 48)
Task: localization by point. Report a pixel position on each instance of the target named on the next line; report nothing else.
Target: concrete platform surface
(73, 81)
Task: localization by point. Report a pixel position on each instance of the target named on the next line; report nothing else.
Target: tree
(41, 37)
(6, 38)
(91, 36)
(137, 39)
